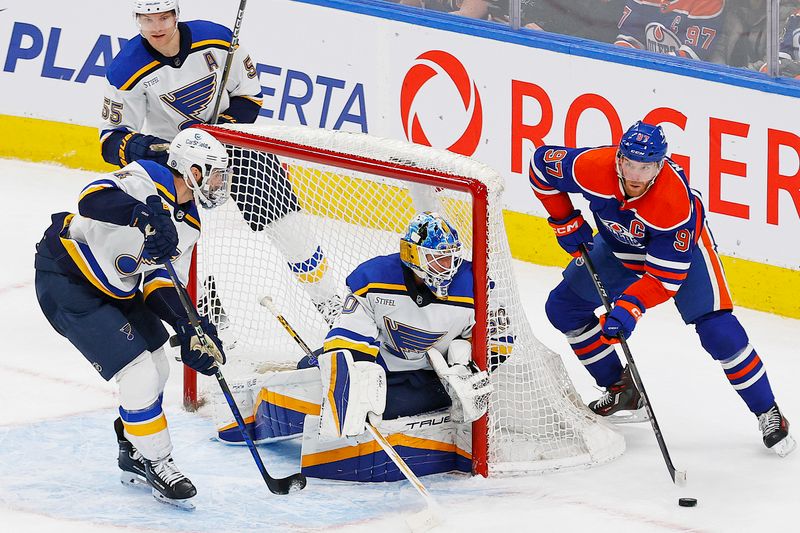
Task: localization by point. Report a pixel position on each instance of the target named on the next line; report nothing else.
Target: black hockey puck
(687, 502)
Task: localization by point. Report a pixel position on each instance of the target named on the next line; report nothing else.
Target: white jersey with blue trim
(111, 256)
(148, 95)
(388, 318)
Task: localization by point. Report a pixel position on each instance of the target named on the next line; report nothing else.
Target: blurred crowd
(730, 32)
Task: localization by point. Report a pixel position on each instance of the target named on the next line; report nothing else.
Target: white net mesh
(297, 243)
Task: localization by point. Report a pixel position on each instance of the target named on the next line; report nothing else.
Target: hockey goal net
(356, 194)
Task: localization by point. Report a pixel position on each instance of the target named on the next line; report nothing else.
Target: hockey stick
(420, 522)
(229, 60)
(678, 476)
(276, 486)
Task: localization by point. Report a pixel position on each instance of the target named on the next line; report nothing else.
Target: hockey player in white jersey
(101, 283)
(167, 79)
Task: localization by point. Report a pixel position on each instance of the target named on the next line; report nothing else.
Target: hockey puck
(687, 502)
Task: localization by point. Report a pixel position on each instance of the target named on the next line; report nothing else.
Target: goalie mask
(194, 148)
(432, 250)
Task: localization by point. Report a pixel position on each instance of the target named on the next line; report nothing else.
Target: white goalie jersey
(150, 96)
(387, 318)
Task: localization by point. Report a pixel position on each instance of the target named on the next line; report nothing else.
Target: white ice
(58, 452)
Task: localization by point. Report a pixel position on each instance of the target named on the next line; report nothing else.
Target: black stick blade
(285, 485)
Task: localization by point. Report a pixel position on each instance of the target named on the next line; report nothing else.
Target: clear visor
(156, 21)
(637, 172)
(214, 188)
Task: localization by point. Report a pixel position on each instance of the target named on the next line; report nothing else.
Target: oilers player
(401, 308)
(89, 269)
(167, 79)
(652, 244)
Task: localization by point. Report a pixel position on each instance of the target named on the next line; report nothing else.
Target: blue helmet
(644, 143)
(431, 248)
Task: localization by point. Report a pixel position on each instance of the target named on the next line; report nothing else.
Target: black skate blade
(293, 483)
(184, 505)
(129, 479)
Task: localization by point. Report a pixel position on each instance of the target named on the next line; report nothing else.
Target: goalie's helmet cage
(431, 248)
(354, 196)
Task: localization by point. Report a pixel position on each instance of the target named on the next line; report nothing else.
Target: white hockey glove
(350, 391)
(468, 387)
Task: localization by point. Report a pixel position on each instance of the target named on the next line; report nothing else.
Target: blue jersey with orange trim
(685, 28)
(109, 253)
(155, 95)
(387, 318)
(653, 235)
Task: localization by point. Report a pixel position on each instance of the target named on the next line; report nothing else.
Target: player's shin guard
(145, 425)
(599, 358)
(724, 338)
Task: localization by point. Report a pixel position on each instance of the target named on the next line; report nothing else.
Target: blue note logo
(409, 342)
(127, 329)
(191, 100)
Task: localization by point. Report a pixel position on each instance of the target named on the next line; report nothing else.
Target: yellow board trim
(367, 448)
(755, 285)
(286, 402)
(150, 428)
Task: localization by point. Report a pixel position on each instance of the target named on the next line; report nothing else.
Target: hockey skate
(130, 461)
(621, 403)
(330, 309)
(775, 430)
(170, 486)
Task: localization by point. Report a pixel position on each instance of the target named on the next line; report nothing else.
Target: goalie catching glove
(350, 391)
(468, 387)
(194, 354)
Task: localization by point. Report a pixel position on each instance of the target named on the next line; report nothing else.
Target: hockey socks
(599, 358)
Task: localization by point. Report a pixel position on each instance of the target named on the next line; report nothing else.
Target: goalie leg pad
(350, 391)
(431, 444)
(283, 401)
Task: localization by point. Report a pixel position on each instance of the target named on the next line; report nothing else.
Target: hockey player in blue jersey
(167, 79)
(652, 244)
(101, 284)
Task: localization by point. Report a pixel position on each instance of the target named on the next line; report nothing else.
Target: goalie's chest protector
(409, 320)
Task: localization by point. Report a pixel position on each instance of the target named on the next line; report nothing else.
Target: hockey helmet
(146, 7)
(432, 250)
(644, 143)
(197, 148)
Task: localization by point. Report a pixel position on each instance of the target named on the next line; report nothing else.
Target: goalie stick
(276, 485)
(678, 476)
(422, 521)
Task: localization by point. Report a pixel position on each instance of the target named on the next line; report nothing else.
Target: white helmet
(146, 7)
(193, 147)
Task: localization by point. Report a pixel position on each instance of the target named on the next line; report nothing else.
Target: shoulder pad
(204, 31)
(595, 171)
(126, 67)
(382, 270)
(462, 285)
(668, 203)
(162, 178)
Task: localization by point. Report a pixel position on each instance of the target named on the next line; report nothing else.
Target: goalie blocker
(328, 406)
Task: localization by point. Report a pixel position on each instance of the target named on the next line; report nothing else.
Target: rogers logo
(427, 66)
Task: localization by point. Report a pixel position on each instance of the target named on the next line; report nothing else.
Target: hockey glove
(155, 222)
(469, 388)
(622, 319)
(571, 232)
(203, 359)
(149, 147)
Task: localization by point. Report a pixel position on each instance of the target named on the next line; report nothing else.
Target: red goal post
(331, 173)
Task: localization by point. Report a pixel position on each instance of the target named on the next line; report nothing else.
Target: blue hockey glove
(147, 147)
(571, 232)
(155, 223)
(622, 319)
(203, 359)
